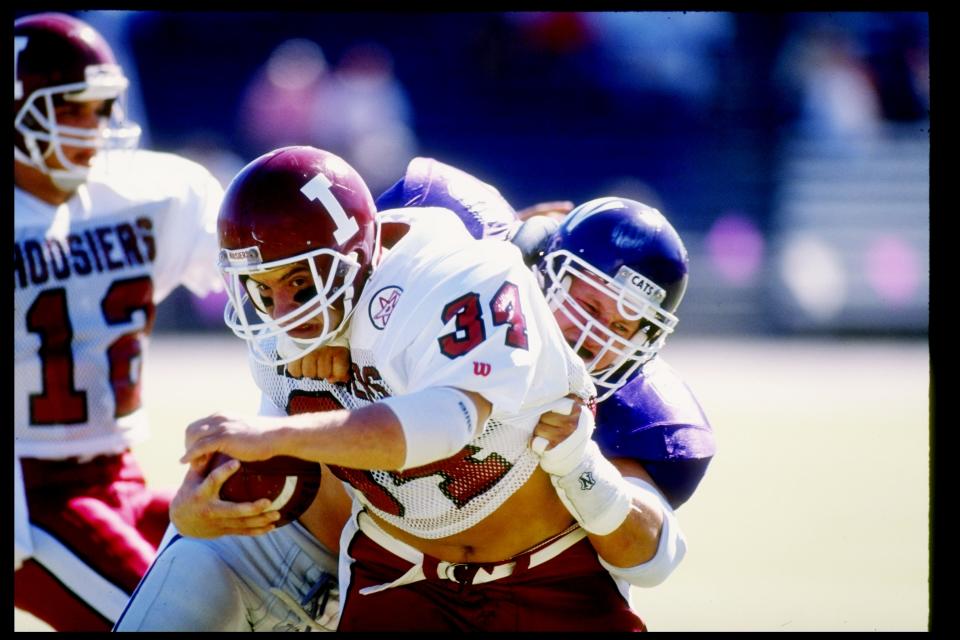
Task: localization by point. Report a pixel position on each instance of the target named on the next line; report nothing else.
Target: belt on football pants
(428, 568)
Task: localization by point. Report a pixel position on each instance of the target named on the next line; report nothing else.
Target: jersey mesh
(77, 369)
(442, 498)
(87, 275)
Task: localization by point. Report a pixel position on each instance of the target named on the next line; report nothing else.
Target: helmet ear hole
(649, 332)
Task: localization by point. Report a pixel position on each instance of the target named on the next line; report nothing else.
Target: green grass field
(814, 516)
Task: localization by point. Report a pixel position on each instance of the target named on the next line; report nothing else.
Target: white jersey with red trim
(444, 309)
(87, 276)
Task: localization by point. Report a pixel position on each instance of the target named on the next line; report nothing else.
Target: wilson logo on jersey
(382, 305)
(481, 368)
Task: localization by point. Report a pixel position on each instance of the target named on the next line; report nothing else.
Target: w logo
(481, 368)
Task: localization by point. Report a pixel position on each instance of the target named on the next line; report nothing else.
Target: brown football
(291, 483)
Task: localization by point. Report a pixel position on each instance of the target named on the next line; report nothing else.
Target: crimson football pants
(571, 592)
(96, 528)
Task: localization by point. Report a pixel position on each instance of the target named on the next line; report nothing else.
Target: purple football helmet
(57, 59)
(630, 253)
(295, 204)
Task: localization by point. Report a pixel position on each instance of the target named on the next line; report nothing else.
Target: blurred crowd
(687, 111)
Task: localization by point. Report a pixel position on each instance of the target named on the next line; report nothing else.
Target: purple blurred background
(791, 150)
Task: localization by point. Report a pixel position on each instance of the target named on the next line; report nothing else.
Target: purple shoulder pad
(656, 420)
(431, 183)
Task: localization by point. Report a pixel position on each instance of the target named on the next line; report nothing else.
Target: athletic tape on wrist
(562, 459)
(437, 422)
(594, 492)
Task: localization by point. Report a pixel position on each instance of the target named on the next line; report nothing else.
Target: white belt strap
(447, 570)
(397, 548)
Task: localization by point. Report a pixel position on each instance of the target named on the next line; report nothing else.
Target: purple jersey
(430, 183)
(656, 420)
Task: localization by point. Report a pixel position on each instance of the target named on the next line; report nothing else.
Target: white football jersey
(443, 309)
(87, 276)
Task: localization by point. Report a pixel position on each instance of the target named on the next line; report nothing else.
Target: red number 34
(470, 330)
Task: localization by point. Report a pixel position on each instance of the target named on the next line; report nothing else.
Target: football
(291, 483)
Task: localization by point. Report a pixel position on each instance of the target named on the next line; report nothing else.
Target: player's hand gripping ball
(291, 483)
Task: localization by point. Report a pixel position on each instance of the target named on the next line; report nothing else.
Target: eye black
(305, 294)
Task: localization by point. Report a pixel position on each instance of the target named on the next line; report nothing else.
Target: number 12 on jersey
(60, 401)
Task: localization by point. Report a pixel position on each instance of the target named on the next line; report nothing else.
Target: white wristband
(595, 493)
(437, 422)
(562, 459)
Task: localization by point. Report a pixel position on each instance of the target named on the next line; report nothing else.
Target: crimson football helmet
(57, 59)
(630, 253)
(295, 204)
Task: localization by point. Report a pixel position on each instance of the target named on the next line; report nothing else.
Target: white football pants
(284, 580)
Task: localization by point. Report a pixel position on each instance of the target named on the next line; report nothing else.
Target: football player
(654, 419)
(598, 269)
(614, 272)
(454, 357)
(261, 578)
(102, 233)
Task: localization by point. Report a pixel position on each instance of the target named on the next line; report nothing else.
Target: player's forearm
(398, 433)
(635, 541)
(649, 544)
(630, 524)
(366, 438)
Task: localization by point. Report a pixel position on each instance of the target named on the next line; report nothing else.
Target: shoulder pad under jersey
(430, 183)
(656, 420)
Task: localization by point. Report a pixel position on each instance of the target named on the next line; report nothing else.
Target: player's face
(284, 289)
(81, 115)
(601, 308)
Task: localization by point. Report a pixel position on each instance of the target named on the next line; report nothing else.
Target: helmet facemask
(246, 314)
(636, 298)
(44, 137)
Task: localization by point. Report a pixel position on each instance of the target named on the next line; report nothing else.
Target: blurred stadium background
(791, 150)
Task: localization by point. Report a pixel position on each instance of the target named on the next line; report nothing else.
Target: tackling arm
(629, 522)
